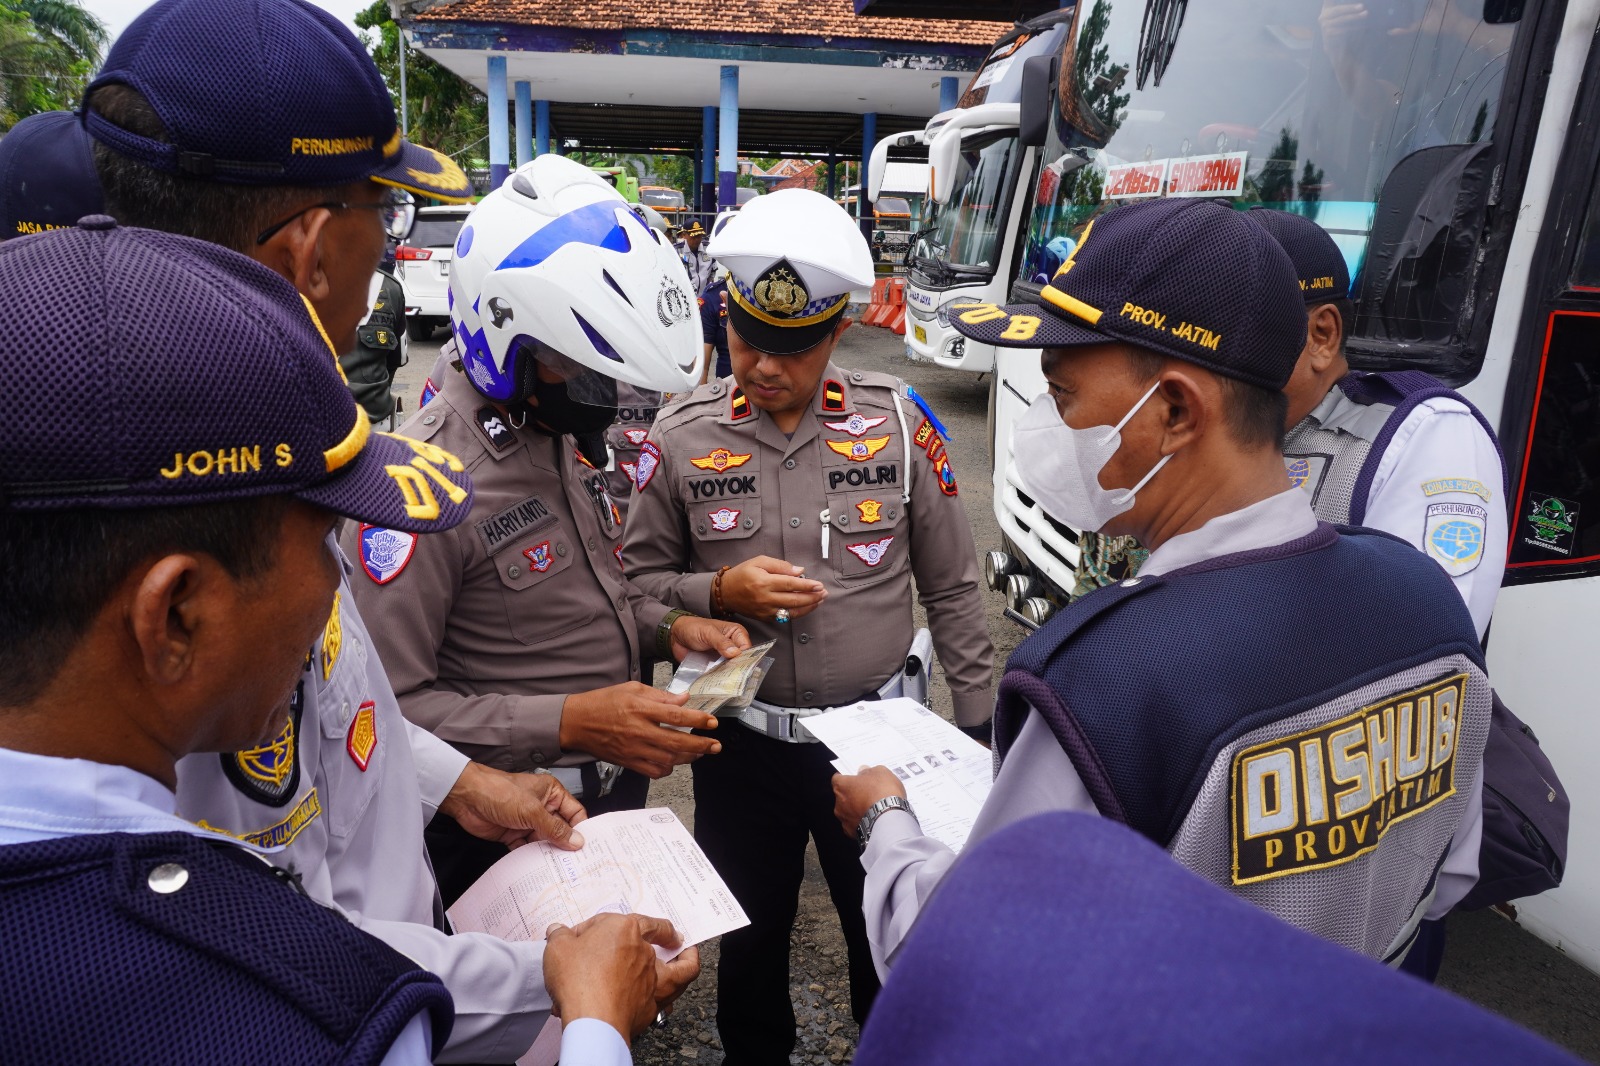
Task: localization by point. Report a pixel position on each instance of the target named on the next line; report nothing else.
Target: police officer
(802, 499)
(636, 413)
(696, 260)
(345, 786)
(714, 324)
(47, 177)
(1395, 451)
(1334, 783)
(517, 638)
(380, 350)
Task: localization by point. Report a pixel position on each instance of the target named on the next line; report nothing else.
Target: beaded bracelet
(717, 606)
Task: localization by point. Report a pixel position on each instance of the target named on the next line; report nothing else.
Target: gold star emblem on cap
(778, 290)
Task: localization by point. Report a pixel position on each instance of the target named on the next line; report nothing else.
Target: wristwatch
(664, 633)
(874, 812)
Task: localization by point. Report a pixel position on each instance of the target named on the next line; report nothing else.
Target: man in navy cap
(1127, 958)
(300, 166)
(171, 573)
(47, 177)
(1331, 783)
(1399, 451)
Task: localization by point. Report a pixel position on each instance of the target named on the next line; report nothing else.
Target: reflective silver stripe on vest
(1284, 821)
(1325, 451)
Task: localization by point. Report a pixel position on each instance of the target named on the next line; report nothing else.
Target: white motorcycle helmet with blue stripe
(557, 278)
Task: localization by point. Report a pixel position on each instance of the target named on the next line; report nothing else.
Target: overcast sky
(116, 14)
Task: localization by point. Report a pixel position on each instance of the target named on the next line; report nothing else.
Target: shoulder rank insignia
(362, 739)
(871, 552)
(645, 469)
(832, 396)
(385, 552)
(332, 639)
(914, 397)
(494, 427)
(429, 391)
(721, 459)
(856, 425)
(738, 404)
(858, 451)
(270, 774)
(869, 511)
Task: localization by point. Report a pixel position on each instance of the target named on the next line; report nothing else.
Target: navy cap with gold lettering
(1190, 279)
(264, 92)
(47, 178)
(211, 379)
(1318, 264)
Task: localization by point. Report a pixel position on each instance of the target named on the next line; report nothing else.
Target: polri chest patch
(499, 530)
(270, 774)
(1326, 796)
(385, 552)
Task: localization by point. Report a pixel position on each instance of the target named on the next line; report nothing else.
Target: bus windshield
(1329, 108)
(964, 238)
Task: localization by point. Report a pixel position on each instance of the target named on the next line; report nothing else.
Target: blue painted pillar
(541, 128)
(728, 143)
(499, 134)
(869, 138)
(706, 171)
(949, 92)
(524, 123)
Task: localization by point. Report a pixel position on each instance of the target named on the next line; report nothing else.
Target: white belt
(787, 723)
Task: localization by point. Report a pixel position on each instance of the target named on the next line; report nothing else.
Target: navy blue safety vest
(234, 966)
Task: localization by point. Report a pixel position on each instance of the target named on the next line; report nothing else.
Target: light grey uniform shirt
(345, 793)
(904, 867)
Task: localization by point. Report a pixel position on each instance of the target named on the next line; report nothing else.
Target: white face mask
(1060, 466)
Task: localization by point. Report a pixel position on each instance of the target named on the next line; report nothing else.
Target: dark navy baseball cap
(1187, 278)
(210, 381)
(1318, 264)
(264, 92)
(1071, 938)
(47, 177)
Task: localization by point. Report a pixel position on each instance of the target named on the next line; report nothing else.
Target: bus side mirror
(1038, 84)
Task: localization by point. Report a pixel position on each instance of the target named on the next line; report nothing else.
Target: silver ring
(661, 1020)
(782, 617)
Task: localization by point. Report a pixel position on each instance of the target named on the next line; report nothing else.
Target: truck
(1446, 147)
(965, 251)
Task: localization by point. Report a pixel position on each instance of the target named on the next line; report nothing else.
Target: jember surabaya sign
(1193, 176)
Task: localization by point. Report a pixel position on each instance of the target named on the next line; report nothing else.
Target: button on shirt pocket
(867, 541)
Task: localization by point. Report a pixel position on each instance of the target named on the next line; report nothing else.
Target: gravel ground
(1489, 960)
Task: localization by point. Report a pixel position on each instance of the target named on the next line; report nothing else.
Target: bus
(622, 179)
(1446, 147)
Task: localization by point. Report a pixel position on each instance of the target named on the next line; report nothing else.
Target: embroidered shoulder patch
(947, 477)
(332, 639)
(385, 552)
(871, 552)
(924, 434)
(1453, 534)
(279, 834)
(270, 774)
(1327, 795)
(362, 740)
(645, 469)
(429, 391)
(1456, 484)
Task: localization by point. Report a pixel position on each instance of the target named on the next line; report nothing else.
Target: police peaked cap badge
(277, 416)
(793, 258)
(1190, 279)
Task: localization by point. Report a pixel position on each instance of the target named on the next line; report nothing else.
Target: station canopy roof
(634, 75)
(954, 9)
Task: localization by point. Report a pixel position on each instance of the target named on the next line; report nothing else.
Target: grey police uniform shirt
(487, 628)
(1441, 474)
(636, 413)
(345, 793)
(904, 867)
(719, 483)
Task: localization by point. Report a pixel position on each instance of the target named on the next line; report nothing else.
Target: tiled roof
(789, 18)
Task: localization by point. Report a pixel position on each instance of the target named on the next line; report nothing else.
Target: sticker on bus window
(1550, 523)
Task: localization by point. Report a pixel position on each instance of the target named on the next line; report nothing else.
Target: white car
(422, 264)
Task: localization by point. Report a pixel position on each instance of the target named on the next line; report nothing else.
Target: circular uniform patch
(270, 774)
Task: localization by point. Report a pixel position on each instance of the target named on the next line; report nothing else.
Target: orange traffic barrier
(897, 320)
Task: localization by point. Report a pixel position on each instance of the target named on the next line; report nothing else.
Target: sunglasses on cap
(398, 212)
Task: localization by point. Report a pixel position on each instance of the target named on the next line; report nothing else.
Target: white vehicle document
(947, 775)
(632, 862)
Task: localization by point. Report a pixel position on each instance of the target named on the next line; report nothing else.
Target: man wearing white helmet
(518, 640)
(802, 499)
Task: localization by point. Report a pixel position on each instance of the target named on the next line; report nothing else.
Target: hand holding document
(632, 862)
(722, 686)
(947, 775)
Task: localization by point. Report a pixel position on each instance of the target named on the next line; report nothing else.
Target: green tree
(48, 48)
(445, 113)
(1098, 78)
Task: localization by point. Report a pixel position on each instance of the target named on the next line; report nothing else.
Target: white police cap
(793, 256)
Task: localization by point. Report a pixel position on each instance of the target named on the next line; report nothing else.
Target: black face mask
(557, 413)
